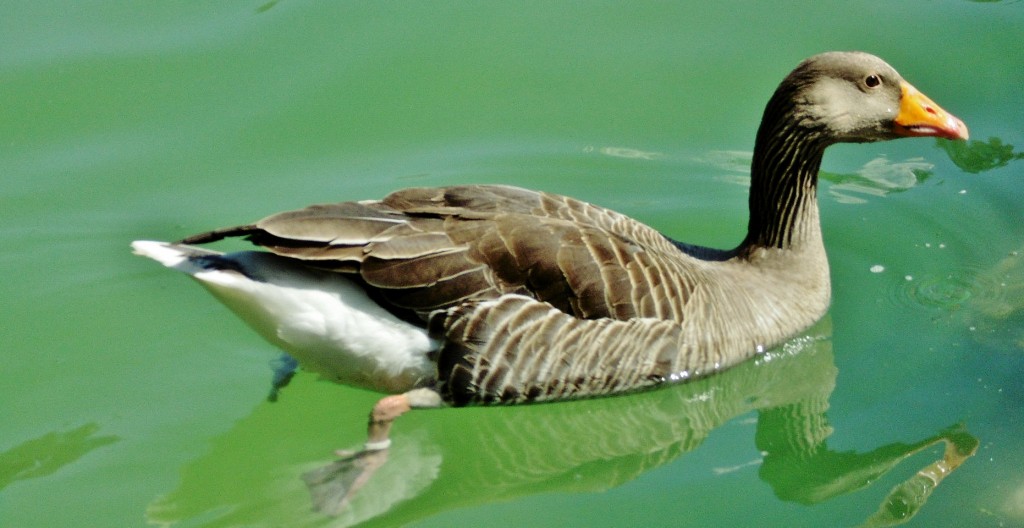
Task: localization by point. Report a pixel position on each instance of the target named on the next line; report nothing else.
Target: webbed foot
(284, 370)
(333, 486)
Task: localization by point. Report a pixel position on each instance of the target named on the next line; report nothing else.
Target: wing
(436, 248)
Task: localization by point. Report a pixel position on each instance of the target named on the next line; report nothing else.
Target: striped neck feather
(784, 179)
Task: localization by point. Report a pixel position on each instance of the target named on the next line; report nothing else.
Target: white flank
(324, 320)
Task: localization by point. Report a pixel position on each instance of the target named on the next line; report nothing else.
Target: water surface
(130, 398)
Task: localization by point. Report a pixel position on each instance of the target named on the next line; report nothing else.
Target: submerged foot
(333, 486)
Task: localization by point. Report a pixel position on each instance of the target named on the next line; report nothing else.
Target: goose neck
(784, 180)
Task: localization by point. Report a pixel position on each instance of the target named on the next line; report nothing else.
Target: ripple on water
(949, 291)
(987, 301)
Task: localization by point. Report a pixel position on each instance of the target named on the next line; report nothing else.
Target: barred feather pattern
(516, 349)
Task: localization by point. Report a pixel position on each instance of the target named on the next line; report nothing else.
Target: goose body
(485, 294)
(564, 279)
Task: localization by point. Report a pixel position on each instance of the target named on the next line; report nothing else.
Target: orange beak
(919, 116)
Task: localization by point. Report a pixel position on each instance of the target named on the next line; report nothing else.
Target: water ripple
(947, 291)
(989, 301)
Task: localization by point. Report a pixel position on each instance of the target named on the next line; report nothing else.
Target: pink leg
(389, 408)
(382, 416)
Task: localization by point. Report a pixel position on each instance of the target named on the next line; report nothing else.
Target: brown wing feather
(436, 248)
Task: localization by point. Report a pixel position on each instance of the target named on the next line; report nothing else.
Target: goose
(486, 294)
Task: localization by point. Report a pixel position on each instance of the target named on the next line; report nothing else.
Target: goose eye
(872, 81)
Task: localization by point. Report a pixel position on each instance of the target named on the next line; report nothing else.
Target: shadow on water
(461, 458)
(49, 453)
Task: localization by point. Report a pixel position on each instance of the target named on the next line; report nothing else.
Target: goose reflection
(450, 459)
(597, 445)
(978, 156)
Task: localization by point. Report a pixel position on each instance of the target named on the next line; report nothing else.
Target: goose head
(855, 97)
(834, 97)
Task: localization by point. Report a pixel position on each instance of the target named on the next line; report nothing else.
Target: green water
(130, 398)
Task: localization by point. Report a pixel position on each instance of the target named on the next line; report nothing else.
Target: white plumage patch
(328, 323)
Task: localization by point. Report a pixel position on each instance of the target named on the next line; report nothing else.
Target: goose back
(423, 250)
